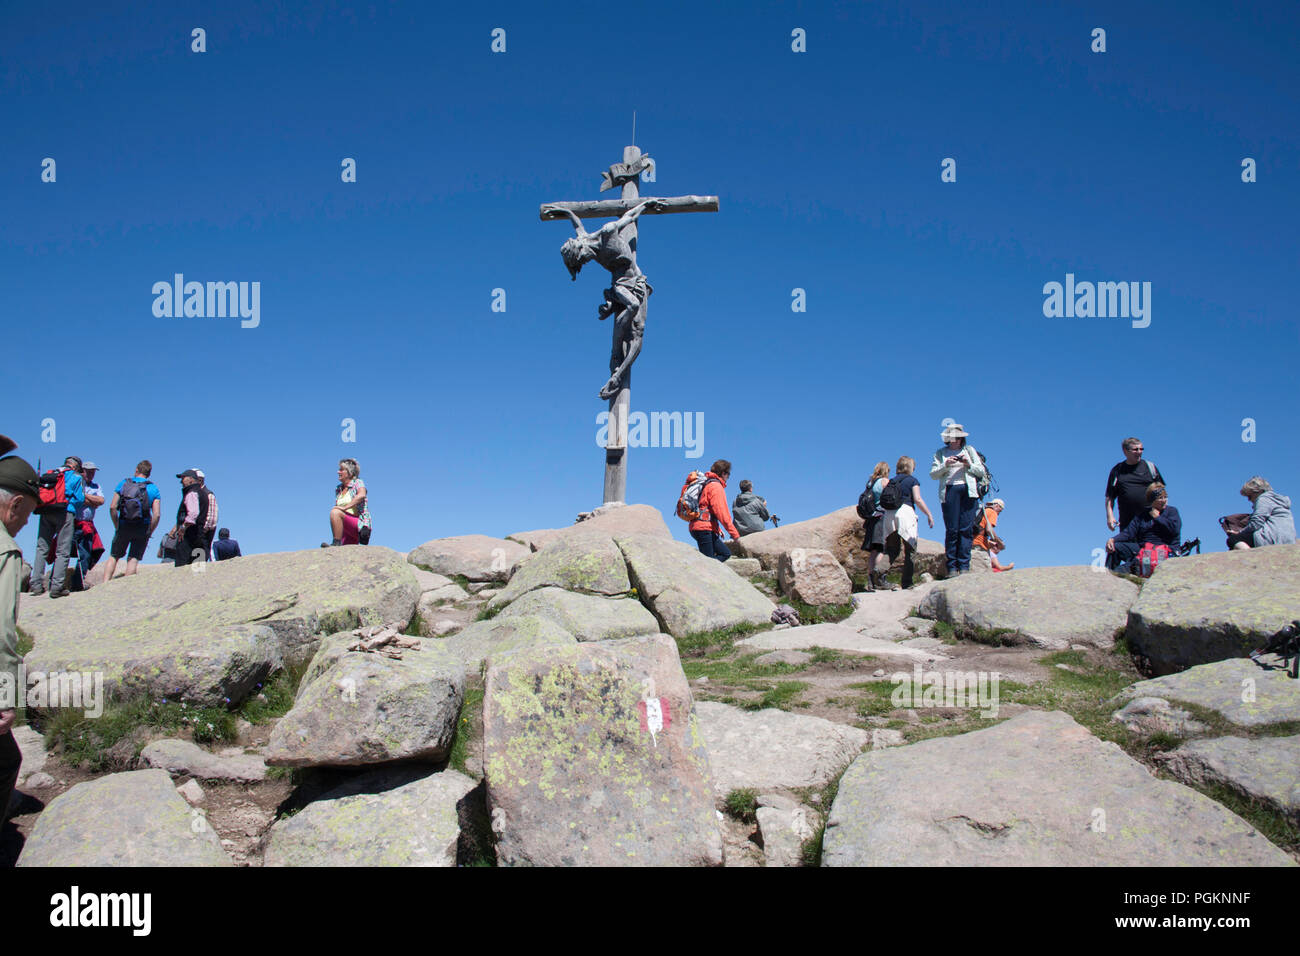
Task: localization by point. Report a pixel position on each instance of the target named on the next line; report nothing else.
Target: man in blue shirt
(135, 510)
(54, 536)
(226, 546)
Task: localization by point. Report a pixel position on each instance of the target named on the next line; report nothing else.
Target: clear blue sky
(924, 298)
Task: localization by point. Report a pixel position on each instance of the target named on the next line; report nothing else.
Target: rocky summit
(605, 695)
(209, 633)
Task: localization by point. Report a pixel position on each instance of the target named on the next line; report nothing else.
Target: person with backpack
(1127, 484)
(135, 511)
(196, 519)
(750, 510)
(869, 510)
(709, 515)
(963, 480)
(900, 498)
(62, 496)
(985, 544)
(86, 537)
(1271, 521)
(1159, 525)
(350, 516)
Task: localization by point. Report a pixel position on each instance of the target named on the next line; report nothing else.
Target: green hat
(19, 477)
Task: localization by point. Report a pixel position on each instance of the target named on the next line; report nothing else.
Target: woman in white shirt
(958, 469)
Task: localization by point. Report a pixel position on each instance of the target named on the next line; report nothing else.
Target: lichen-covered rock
(744, 567)
(1036, 790)
(123, 819)
(416, 824)
(784, 831)
(1238, 690)
(484, 640)
(585, 563)
(475, 557)
(179, 757)
(587, 617)
(770, 748)
(592, 757)
(1210, 607)
(205, 636)
(429, 581)
(687, 592)
(814, 577)
(839, 532)
(621, 519)
(32, 746)
(1049, 607)
(367, 709)
(1263, 769)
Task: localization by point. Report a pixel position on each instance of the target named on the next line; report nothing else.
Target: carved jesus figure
(615, 250)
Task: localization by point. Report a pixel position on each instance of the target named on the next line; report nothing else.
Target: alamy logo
(656, 430)
(946, 689)
(75, 908)
(1103, 300)
(54, 689)
(215, 300)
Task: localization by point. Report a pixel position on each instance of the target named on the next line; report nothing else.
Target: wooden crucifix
(613, 246)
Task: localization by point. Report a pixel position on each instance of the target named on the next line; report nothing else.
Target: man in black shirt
(1127, 484)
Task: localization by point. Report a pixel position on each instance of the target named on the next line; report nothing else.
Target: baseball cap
(188, 473)
(18, 476)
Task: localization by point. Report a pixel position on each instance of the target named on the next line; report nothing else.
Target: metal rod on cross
(614, 247)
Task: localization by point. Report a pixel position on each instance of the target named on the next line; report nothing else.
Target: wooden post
(616, 444)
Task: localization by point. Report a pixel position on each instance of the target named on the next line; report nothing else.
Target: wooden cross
(627, 175)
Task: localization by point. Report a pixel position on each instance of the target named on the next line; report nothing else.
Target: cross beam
(613, 208)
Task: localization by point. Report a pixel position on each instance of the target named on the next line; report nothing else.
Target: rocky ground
(603, 695)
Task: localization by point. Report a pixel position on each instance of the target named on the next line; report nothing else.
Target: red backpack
(1149, 558)
(54, 493)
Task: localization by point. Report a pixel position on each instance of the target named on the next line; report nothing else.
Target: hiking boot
(36, 592)
(61, 592)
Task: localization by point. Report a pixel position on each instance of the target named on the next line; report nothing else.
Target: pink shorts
(350, 532)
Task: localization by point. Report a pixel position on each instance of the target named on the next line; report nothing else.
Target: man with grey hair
(1271, 521)
(19, 496)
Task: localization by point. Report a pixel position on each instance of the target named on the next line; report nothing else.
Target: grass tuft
(742, 805)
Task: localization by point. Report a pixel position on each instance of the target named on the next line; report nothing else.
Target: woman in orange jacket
(714, 514)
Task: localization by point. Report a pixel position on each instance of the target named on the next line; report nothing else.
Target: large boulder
(586, 563)
(1049, 607)
(1262, 769)
(1238, 690)
(840, 533)
(770, 748)
(593, 757)
(123, 819)
(483, 640)
(473, 556)
(366, 708)
(587, 617)
(416, 824)
(687, 592)
(1210, 607)
(814, 577)
(210, 633)
(1035, 790)
(610, 520)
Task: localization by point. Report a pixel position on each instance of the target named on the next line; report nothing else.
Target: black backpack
(133, 501)
(866, 503)
(983, 485)
(891, 496)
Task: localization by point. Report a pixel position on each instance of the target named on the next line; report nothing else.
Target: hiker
(1158, 524)
(750, 510)
(985, 544)
(62, 497)
(196, 519)
(1271, 521)
(713, 514)
(226, 546)
(900, 499)
(86, 538)
(873, 541)
(958, 468)
(20, 493)
(1127, 484)
(350, 516)
(135, 511)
